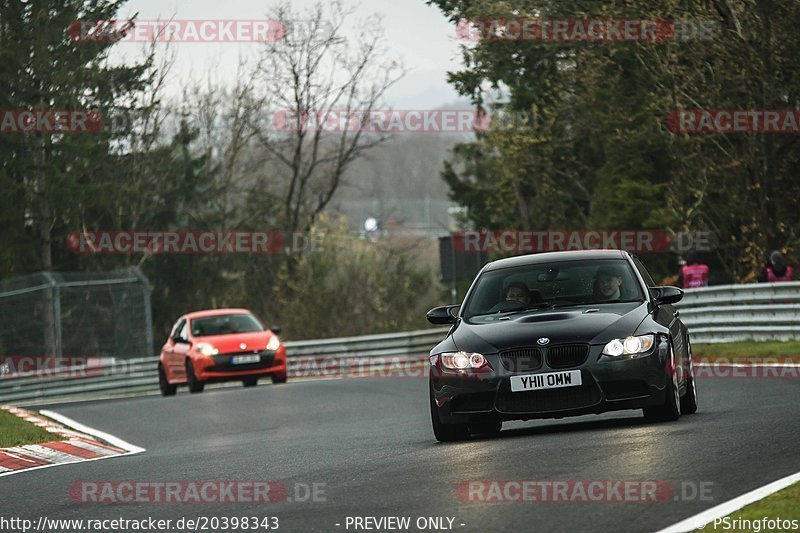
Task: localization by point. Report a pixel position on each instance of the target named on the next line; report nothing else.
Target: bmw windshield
(551, 285)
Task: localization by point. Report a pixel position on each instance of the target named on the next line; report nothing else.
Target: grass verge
(15, 431)
(749, 351)
(783, 505)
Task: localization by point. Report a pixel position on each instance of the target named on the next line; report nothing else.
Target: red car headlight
(207, 349)
(274, 343)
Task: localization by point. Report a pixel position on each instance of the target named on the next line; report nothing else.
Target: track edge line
(724, 509)
(77, 426)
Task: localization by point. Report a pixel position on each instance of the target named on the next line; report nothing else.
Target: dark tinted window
(645, 274)
(557, 283)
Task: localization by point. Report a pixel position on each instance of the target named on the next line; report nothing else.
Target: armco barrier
(315, 358)
(724, 313)
(727, 313)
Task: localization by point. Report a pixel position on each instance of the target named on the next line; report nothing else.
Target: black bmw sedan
(559, 334)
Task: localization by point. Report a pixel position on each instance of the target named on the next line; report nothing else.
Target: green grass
(784, 504)
(745, 351)
(15, 431)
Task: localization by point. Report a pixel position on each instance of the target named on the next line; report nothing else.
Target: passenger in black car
(608, 283)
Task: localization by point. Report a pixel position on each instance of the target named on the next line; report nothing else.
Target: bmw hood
(586, 324)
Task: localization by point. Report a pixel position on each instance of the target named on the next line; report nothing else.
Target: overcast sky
(417, 34)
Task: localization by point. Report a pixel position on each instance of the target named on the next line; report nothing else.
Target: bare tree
(225, 119)
(315, 73)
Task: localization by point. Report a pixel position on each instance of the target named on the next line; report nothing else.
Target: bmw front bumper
(607, 384)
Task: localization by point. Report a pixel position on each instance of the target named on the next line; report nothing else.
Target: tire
(167, 389)
(277, 380)
(689, 399)
(191, 379)
(446, 432)
(671, 408)
(252, 382)
(490, 426)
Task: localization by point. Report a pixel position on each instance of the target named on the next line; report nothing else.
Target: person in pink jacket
(693, 274)
(776, 269)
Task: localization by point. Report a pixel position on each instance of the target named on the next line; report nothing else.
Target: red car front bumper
(220, 367)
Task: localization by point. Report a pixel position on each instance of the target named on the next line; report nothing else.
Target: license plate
(553, 380)
(244, 359)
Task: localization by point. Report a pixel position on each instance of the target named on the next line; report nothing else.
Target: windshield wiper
(616, 302)
(590, 302)
(512, 311)
(531, 307)
(567, 304)
(545, 305)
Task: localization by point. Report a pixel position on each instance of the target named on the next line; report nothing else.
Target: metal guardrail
(314, 358)
(728, 313)
(766, 311)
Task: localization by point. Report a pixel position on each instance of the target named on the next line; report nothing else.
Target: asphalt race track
(369, 441)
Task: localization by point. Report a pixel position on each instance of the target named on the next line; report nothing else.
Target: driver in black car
(517, 296)
(519, 292)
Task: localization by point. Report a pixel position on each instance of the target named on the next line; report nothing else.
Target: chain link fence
(98, 314)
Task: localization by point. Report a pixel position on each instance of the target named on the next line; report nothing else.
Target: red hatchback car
(220, 345)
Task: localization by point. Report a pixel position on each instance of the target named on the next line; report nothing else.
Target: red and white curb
(81, 443)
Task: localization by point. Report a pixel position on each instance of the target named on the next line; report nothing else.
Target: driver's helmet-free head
(516, 290)
(609, 271)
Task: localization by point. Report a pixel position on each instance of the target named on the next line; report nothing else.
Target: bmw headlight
(274, 343)
(629, 345)
(207, 349)
(462, 360)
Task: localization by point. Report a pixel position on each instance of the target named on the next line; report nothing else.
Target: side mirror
(276, 329)
(667, 295)
(178, 338)
(445, 314)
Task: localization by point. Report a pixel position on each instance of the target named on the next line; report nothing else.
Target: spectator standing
(693, 274)
(776, 269)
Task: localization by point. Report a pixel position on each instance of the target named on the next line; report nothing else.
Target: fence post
(148, 312)
(56, 310)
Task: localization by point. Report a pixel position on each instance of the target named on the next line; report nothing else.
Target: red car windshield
(225, 325)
